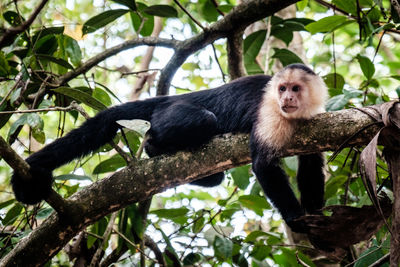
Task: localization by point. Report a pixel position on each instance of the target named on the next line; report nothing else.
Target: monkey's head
(298, 91)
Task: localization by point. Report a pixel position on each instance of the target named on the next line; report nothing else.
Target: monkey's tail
(93, 134)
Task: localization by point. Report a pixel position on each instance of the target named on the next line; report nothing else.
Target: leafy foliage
(354, 49)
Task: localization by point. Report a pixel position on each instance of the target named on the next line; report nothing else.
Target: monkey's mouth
(289, 109)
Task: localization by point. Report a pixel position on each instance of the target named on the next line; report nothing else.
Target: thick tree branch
(235, 55)
(235, 21)
(327, 131)
(10, 33)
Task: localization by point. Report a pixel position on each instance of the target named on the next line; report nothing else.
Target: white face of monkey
(299, 94)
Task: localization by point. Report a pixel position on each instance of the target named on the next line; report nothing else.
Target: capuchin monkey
(267, 107)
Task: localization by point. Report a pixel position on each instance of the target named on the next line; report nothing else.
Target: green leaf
(225, 8)
(39, 135)
(252, 44)
(47, 31)
(352, 93)
(73, 50)
(228, 213)
(346, 5)
(101, 20)
(66, 177)
(369, 256)
(44, 213)
(191, 259)
(208, 11)
(333, 184)
(12, 214)
(164, 11)
(46, 45)
(58, 61)
(327, 24)
(241, 176)
(286, 57)
(170, 213)
(367, 66)
(20, 122)
(110, 165)
(7, 203)
(252, 237)
(251, 47)
(260, 252)
(334, 80)
(222, 248)
(128, 3)
(337, 102)
(13, 18)
(102, 96)
(81, 96)
(301, 5)
(282, 33)
(4, 67)
(146, 28)
(198, 224)
(255, 203)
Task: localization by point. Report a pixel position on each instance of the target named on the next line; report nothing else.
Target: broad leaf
(13, 18)
(58, 61)
(102, 20)
(161, 11)
(110, 165)
(81, 96)
(286, 57)
(367, 66)
(170, 213)
(327, 24)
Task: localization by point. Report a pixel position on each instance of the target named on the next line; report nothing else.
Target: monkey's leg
(310, 180)
(182, 126)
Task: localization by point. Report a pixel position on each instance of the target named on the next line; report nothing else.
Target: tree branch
(149, 41)
(235, 55)
(12, 32)
(326, 131)
(235, 21)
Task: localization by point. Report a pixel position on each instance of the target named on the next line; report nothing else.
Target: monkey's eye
(295, 88)
(282, 88)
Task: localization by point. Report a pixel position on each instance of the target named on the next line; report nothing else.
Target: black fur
(181, 122)
(177, 122)
(274, 181)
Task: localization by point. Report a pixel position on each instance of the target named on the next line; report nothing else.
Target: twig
(219, 65)
(18, 80)
(190, 15)
(150, 41)
(11, 32)
(97, 255)
(217, 7)
(132, 244)
(157, 252)
(138, 72)
(69, 108)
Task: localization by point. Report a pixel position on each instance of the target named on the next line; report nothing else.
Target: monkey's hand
(298, 225)
(34, 190)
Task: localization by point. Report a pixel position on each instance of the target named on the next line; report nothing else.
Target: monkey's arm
(275, 184)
